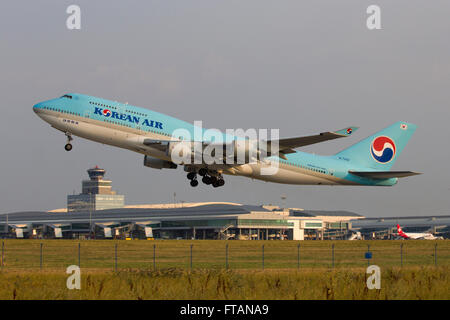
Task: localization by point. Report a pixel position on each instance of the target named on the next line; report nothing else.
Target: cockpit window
(66, 96)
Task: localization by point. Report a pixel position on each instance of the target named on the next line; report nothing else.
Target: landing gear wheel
(217, 181)
(194, 183)
(213, 180)
(191, 175)
(68, 147)
(206, 180)
(202, 172)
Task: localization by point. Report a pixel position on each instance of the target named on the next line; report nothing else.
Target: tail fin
(381, 150)
(400, 232)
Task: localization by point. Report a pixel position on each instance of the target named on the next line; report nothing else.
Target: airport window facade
(264, 222)
(337, 225)
(198, 223)
(313, 224)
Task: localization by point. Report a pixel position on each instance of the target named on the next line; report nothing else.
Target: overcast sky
(301, 66)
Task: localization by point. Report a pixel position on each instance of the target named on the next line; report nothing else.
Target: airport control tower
(96, 194)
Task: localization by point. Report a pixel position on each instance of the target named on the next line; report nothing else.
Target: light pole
(283, 198)
(90, 215)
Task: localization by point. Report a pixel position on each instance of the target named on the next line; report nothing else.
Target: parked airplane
(416, 236)
(354, 235)
(152, 134)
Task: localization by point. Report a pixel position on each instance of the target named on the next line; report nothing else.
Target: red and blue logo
(349, 131)
(106, 112)
(382, 149)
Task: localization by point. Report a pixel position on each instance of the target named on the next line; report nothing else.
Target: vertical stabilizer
(381, 150)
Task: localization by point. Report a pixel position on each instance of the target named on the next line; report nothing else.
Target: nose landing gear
(68, 145)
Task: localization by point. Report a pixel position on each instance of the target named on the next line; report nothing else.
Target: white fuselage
(426, 236)
(132, 139)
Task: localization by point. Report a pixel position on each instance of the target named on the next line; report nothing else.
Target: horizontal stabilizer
(383, 174)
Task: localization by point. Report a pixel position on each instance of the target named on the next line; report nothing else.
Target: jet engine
(158, 163)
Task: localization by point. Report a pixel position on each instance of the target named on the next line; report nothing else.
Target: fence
(205, 254)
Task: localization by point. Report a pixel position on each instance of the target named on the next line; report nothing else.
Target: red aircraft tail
(400, 232)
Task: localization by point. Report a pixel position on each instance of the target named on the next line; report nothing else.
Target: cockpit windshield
(66, 96)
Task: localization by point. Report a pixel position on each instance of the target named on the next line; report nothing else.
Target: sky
(303, 67)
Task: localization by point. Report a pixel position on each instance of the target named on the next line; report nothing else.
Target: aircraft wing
(383, 174)
(285, 146)
(289, 144)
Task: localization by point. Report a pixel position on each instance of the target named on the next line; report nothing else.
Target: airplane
(355, 235)
(153, 134)
(416, 236)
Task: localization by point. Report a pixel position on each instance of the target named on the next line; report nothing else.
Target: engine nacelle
(245, 151)
(238, 151)
(182, 152)
(158, 163)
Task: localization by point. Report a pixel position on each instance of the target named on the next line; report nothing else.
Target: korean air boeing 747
(155, 135)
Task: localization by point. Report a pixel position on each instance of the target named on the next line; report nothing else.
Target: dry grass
(396, 283)
(22, 278)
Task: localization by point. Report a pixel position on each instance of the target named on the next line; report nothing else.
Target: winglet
(347, 131)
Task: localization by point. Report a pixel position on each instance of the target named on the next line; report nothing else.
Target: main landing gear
(213, 180)
(216, 180)
(193, 177)
(68, 145)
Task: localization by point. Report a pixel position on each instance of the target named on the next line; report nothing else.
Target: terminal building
(212, 220)
(96, 194)
(98, 212)
(187, 221)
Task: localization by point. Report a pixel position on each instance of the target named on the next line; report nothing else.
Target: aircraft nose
(37, 107)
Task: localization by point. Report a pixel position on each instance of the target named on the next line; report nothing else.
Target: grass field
(211, 254)
(412, 275)
(396, 283)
